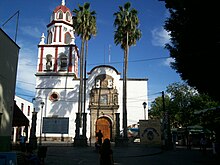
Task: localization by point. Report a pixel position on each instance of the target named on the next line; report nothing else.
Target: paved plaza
(134, 154)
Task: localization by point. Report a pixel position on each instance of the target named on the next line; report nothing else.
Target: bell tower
(57, 76)
(59, 53)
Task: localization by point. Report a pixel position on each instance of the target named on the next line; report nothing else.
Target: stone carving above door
(103, 93)
(104, 81)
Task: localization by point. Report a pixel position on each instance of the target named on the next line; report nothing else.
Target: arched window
(68, 17)
(48, 62)
(49, 38)
(63, 62)
(60, 15)
(67, 38)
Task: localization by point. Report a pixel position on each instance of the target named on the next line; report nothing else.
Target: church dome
(62, 8)
(61, 13)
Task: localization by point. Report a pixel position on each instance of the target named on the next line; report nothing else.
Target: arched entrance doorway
(104, 124)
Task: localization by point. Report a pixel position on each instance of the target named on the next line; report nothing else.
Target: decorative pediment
(103, 94)
(104, 81)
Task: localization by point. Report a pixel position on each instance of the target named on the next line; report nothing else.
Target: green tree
(210, 119)
(126, 34)
(84, 23)
(156, 111)
(182, 101)
(195, 43)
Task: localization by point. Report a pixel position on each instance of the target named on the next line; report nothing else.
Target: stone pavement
(135, 154)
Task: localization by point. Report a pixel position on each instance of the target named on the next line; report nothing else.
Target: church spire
(63, 2)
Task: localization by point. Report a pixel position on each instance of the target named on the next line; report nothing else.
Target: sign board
(8, 158)
(58, 125)
(150, 132)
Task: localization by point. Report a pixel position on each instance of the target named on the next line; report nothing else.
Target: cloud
(31, 31)
(27, 66)
(168, 61)
(160, 37)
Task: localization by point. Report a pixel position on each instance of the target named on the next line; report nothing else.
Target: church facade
(57, 87)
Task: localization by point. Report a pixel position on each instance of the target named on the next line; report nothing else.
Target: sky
(147, 59)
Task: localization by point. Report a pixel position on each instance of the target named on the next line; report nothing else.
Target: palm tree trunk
(84, 91)
(125, 90)
(80, 100)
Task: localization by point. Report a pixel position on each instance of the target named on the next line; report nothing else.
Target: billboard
(150, 132)
(59, 125)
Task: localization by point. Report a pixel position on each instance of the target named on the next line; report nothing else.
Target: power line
(119, 62)
(140, 60)
(25, 89)
(19, 94)
(25, 82)
(157, 93)
(28, 64)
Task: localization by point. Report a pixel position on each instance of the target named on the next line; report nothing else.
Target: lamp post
(166, 123)
(144, 105)
(42, 106)
(33, 138)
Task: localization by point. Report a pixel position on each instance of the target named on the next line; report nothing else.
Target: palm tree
(126, 34)
(84, 23)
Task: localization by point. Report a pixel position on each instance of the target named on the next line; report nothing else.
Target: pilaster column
(77, 121)
(80, 140)
(84, 124)
(33, 138)
(117, 125)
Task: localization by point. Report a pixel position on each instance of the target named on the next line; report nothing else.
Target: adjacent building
(9, 52)
(26, 107)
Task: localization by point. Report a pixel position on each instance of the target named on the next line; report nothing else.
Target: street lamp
(33, 138)
(42, 106)
(144, 105)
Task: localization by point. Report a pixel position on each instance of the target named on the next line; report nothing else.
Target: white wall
(136, 95)
(19, 102)
(26, 103)
(66, 106)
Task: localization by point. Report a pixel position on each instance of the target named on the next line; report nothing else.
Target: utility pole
(166, 125)
(16, 30)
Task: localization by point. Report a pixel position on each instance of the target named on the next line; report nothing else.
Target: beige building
(9, 52)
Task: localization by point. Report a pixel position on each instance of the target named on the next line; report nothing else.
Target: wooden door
(104, 125)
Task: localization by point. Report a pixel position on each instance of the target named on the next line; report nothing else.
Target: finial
(72, 40)
(42, 39)
(63, 2)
